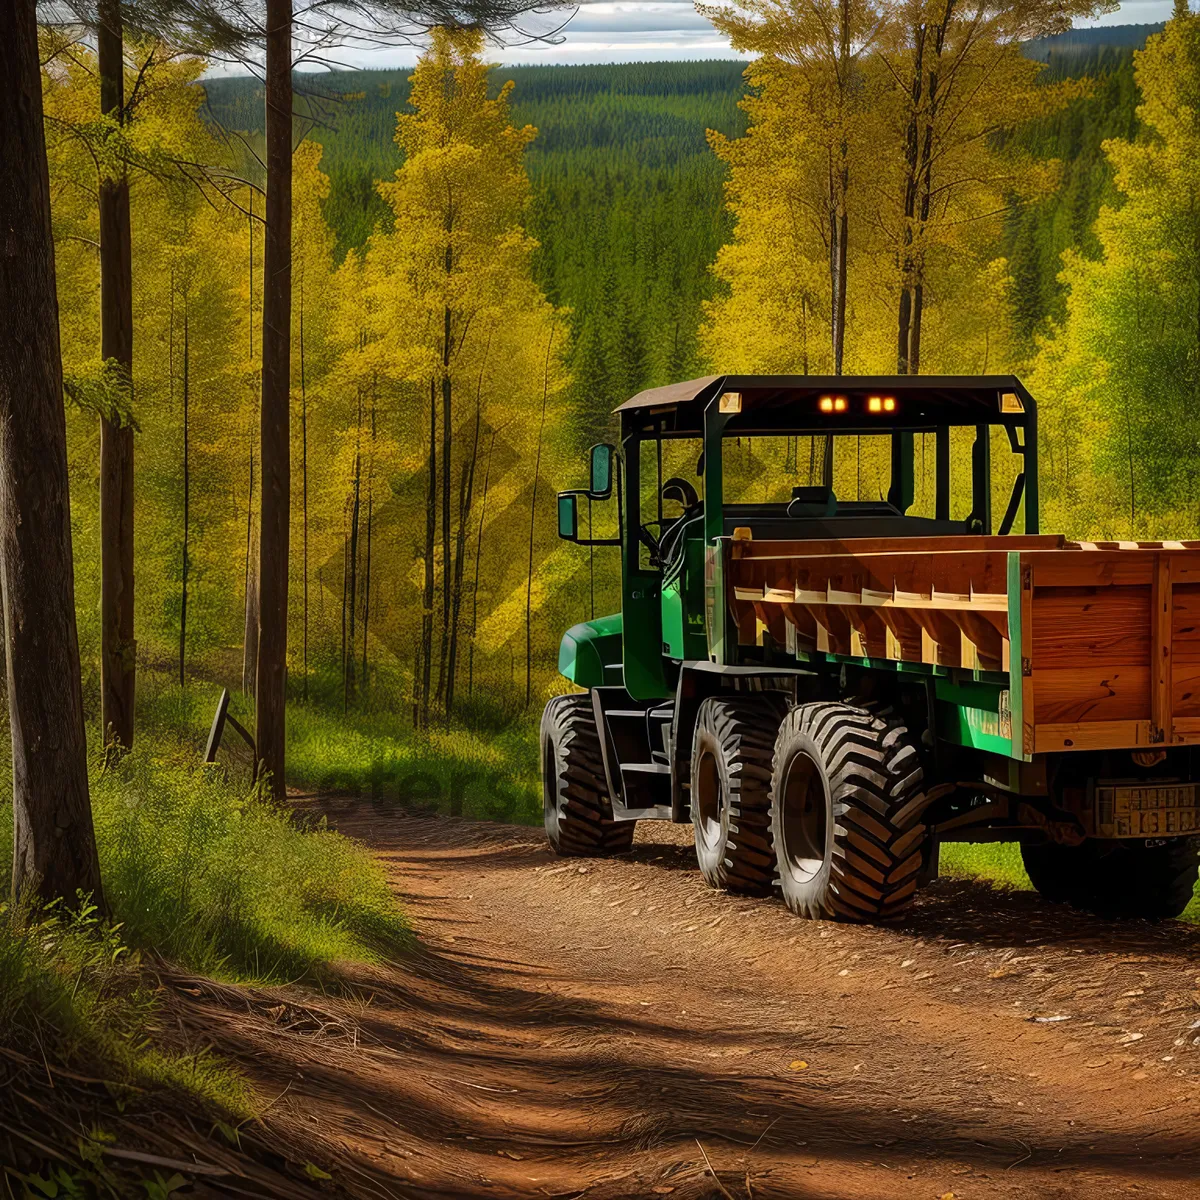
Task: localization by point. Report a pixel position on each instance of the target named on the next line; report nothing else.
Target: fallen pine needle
(713, 1173)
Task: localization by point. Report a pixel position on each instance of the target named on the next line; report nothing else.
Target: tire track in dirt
(613, 1028)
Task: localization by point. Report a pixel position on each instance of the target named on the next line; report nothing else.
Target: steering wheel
(679, 489)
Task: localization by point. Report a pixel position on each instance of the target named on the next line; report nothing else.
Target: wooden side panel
(1185, 650)
(1108, 649)
(1090, 652)
(1115, 646)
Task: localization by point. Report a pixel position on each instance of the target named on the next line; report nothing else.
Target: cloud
(646, 30)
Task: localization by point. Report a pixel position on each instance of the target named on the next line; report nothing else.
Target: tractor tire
(1117, 879)
(577, 811)
(846, 808)
(730, 802)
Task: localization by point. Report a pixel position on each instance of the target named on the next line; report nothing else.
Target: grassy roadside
(201, 873)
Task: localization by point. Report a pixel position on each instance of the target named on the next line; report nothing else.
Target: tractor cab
(822, 459)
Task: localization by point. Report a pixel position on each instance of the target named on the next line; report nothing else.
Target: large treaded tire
(577, 811)
(846, 808)
(1117, 879)
(730, 802)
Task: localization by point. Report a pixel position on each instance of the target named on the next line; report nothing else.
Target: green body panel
(641, 595)
(683, 606)
(980, 728)
(590, 652)
(1016, 655)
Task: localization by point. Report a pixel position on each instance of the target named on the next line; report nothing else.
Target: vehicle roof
(965, 393)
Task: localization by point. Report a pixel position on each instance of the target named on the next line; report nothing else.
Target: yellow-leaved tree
(444, 313)
(1120, 379)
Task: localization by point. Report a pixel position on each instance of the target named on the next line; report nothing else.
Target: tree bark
(54, 845)
(275, 449)
(186, 503)
(537, 470)
(487, 475)
(466, 495)
(430, 539)
(250, 593)
(447, 439)
(304, 477)
(118, 650)
(366, 625)
(352, 595)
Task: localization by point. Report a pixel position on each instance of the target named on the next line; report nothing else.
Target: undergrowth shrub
(72, 992)
(219, 880)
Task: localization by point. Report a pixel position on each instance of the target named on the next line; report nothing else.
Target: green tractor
(829, 688)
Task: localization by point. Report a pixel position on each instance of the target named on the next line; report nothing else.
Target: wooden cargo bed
(1100, 641)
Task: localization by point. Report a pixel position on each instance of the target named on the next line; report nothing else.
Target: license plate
(1140, 810)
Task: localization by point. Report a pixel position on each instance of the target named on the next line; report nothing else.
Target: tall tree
(275, 489)
(819, 46)
(1122, 373)
(54, 849)
(960, 80)
(118, 647)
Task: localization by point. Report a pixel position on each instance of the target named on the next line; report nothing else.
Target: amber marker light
(874, 404)
(839, 404)
(889, 404)
(826, 404)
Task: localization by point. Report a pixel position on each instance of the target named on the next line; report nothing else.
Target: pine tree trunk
(345, 582)
(118, 650)
(183, 602)
(304, 479)
(352, 595)
(275, 454)
(447, 436)
(54, 845)
(537, 470)
(430, 541)
(366, 626)
(250, 593)
(466, 495)
(487, 475)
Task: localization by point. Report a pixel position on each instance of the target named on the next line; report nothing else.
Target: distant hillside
(1088, 41)
(627, 197)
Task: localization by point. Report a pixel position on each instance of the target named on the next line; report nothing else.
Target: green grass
(71, 991)
(1000, 863)
(490, 775)
(211, 876)
(995, 862)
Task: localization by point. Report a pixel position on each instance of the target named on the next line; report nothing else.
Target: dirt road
(613, 1028)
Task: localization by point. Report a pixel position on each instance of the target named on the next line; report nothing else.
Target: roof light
(889, 404)
(826, 404)
(839, 404)
(874, 404)
(731, 402)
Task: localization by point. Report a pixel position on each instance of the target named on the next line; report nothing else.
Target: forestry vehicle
(829, 688)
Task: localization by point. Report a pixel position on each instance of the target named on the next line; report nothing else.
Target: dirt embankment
(613, 1028)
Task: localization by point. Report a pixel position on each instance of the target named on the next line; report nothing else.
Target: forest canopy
(640, 223)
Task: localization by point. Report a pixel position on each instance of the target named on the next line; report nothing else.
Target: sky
(653, 30)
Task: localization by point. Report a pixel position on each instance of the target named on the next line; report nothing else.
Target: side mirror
(600, 485)
(568, 516)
